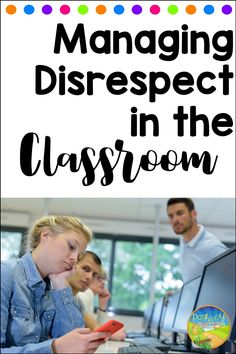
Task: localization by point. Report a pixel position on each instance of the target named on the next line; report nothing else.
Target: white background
(75, 122)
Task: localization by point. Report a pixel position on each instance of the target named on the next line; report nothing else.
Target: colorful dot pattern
(119, 9)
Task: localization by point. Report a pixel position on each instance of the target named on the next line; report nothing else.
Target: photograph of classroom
(159, 259)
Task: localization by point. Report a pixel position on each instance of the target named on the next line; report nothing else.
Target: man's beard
(183, 229)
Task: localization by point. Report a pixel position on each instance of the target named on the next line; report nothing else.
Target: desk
(111, 346)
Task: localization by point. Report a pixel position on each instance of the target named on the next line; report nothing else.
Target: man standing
(197, 245)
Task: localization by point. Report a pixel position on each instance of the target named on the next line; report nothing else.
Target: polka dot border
(119, 9)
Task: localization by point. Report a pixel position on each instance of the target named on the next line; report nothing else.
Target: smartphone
(111, 326)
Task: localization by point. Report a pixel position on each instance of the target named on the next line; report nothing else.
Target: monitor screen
(218, 284)
(147, 317)
(170, 311)
(186, 304)
(156, 316)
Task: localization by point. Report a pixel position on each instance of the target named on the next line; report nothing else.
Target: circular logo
(208, 327)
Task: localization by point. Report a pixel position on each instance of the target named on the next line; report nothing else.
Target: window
(169, 275)
(131, 275)
(103, 248)
(128, 261)
(11, 243)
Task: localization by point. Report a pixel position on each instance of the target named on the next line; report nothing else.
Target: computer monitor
(156, 317)
(217, 286)
(147, 317)
(170, 309)
(186, 304)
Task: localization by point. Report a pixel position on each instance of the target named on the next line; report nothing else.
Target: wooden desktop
(111, 346)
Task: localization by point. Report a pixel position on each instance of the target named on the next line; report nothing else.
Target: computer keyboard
(139, 349)
(155, 342)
